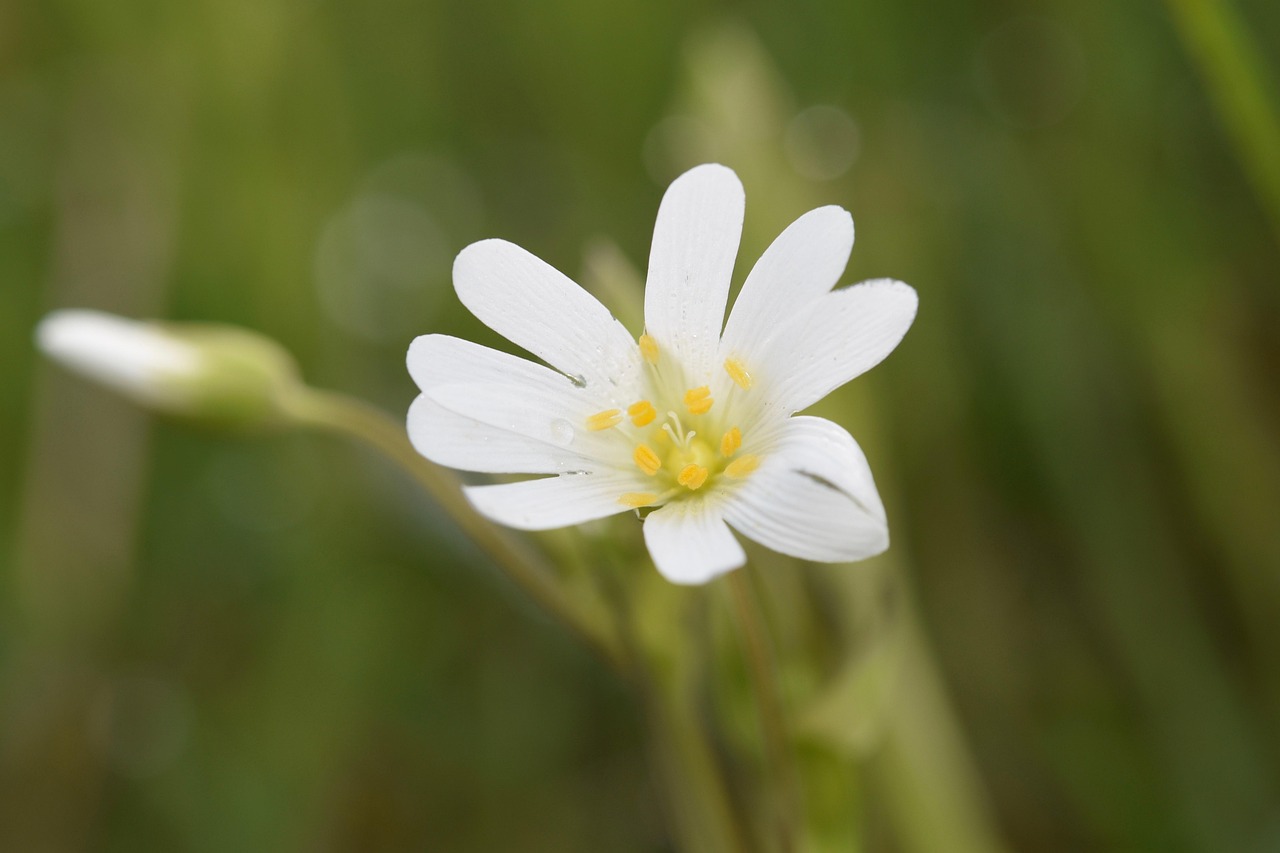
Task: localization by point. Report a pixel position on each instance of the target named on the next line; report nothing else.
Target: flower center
(686, 448)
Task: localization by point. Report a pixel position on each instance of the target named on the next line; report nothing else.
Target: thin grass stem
(764, 679)
(1232, 67)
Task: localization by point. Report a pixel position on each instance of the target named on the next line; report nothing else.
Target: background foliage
(276, 644)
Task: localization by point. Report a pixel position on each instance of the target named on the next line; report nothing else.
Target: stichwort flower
(688, 425)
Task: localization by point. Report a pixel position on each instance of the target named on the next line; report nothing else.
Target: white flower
(692, 426)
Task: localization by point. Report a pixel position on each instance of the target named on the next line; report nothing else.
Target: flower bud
(221, 375)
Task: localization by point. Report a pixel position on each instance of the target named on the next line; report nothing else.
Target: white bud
(220, 374)
(131, 357)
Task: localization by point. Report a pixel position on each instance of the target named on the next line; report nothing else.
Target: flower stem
(671, 681)
(1231, 66)
(934, 793)
(764, 680)
(348, 416)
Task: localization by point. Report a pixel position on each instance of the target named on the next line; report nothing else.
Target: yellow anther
(692, 477)
(646, 460)
(635, 500)
(698, 400)
(642, 413)
(731, 442)
(743, 465)
(649, 349)
(604, 420)
(738, 373)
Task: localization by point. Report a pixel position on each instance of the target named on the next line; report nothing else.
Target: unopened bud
(222, 375)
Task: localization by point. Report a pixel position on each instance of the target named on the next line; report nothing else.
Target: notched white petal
(695, 243)
(535, 306)
(446, 360)
(837, 338)
(552, 415)
(552, 502)
(690, 543)
(813, 498)
(802, 264)
(456, 441)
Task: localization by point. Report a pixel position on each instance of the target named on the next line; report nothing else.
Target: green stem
(699, 809)
(345, 415)
(1231, 65)
(934, 792)
(764, 679)
(670, 680)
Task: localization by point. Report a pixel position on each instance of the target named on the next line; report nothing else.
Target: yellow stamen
(698, 400)
(646, 460)
(604, 420)
(742, 466)
(731, 442)
(738, 373)
(635, 500)
(649, 349)
(642, 413)
(692, 477)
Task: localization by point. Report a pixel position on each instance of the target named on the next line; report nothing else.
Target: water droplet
(578, 380)
(562, 432)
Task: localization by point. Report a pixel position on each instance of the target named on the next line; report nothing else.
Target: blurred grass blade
(1233, 69)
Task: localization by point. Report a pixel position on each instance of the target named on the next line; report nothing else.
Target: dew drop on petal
(562, 432)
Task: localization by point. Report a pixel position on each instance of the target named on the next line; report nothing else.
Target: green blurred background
(214, 644)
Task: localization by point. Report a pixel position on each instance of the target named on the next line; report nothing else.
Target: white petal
(444, 360)
(802, 264)
(554, 501)
(456, 441)
(537, 307)
(690, 543)
(695, 242)
(836, 338)
(510, 393)
(553, 416)
(813, 497)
